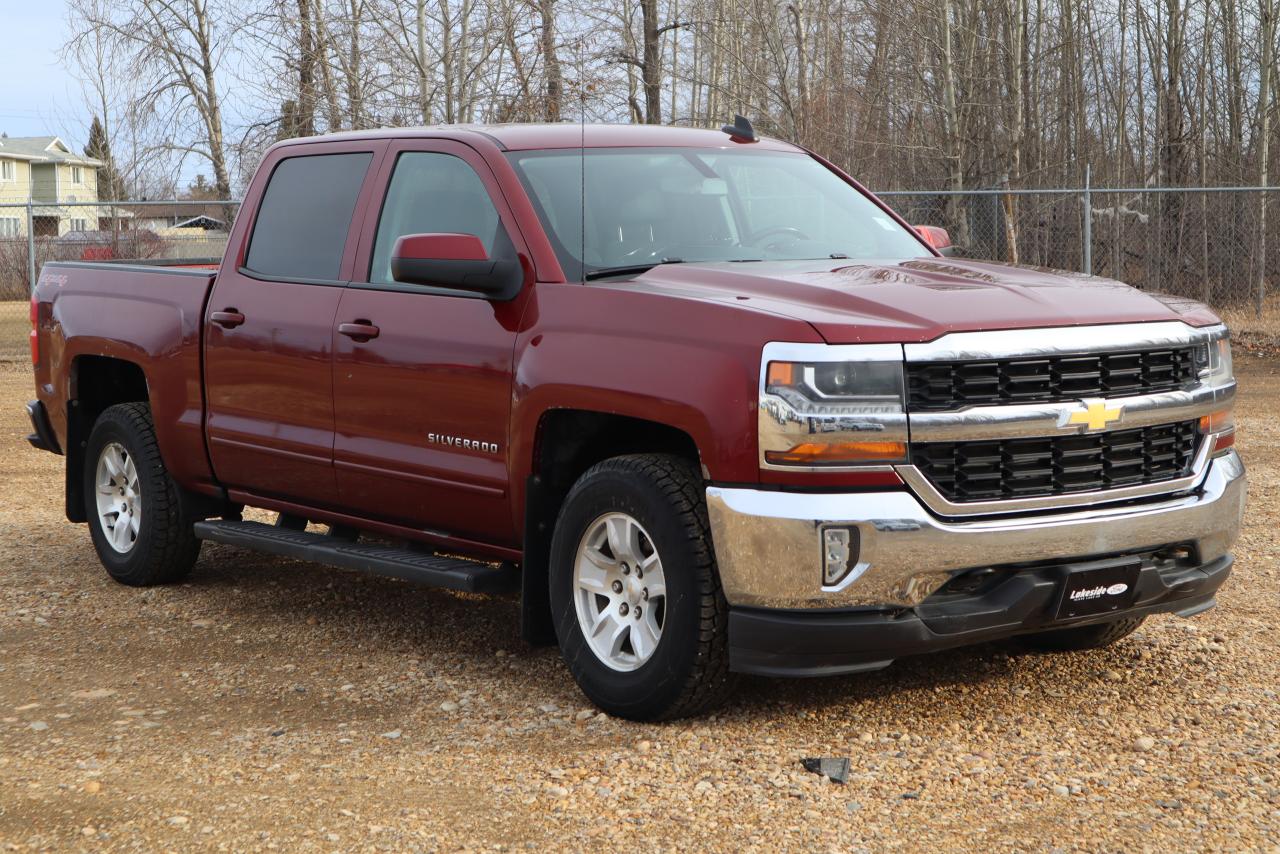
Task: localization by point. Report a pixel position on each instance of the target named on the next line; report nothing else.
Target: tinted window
(305, 215)
(434, 193)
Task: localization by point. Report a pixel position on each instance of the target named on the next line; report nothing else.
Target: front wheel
(135, 516)
(639, 613)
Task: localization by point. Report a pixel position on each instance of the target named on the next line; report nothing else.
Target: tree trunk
(1267, 26)
(550, 62)
(651, 62)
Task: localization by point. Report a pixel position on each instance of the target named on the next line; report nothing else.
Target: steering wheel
(779, 230)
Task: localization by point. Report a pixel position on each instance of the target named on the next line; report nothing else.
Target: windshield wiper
(630, 269)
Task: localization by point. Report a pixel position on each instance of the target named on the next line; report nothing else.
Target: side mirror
(455, 261)
(937, 237)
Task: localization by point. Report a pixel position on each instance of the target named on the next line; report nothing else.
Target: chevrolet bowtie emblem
(1096, 415)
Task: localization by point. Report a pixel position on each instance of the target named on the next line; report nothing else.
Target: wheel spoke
(604, 622)
(135, 525)
(618, 638)
(619, 538)
(598, 559)
(644, 639)
(657, 588)
(111, 459)
(592, 576)
(120, 533)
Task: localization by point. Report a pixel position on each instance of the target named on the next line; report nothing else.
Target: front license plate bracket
(1099, 587)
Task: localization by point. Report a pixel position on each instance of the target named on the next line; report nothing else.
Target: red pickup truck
(703, 400)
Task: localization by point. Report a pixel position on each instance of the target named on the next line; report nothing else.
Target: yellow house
(43, 170)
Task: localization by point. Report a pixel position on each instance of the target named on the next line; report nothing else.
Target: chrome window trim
(1060, 341)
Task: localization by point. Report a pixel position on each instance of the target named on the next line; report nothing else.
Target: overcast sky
(38, 97)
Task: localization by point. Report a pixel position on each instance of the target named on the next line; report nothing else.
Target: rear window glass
(305, 215)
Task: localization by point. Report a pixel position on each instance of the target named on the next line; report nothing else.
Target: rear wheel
(135, 516)
(1081, 637)
(641, 620)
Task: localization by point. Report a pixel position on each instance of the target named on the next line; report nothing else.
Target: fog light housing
(840, 547)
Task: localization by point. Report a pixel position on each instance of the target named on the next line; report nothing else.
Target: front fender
(688, 363)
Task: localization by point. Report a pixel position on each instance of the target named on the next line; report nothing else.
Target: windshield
(646, 206)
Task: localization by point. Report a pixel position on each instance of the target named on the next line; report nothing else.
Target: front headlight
(1213, 358)
(832, 406)
(1213, 361)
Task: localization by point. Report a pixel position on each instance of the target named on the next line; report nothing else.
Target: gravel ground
(274, 705)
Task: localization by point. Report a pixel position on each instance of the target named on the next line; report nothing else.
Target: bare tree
(173, 49)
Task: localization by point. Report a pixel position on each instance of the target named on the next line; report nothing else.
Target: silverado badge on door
(464, 444)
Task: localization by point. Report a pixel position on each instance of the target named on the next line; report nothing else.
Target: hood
(918, 300)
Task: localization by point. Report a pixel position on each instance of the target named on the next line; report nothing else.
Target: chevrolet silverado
(705, 403)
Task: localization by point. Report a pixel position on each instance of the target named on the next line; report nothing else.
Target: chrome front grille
(949, 385)
(986, 470)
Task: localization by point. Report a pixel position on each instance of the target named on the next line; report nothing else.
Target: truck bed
(150, 315)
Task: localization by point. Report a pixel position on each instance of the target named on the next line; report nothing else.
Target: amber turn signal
(1217, 422)
(817, 454)
(782, 373)
(1223, 424)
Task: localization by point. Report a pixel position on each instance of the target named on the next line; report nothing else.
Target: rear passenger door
(422, 409)
(269, 324)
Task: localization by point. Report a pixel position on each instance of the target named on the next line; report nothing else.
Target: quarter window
(433, 193)
(305, 215)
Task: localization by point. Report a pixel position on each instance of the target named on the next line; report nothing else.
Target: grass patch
(15, 323)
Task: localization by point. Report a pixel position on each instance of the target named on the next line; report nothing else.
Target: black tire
(688, 671)
(165, 547)
(1081, 637)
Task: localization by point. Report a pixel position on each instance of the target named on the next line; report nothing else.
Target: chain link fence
(32, 234)
(1220, 245)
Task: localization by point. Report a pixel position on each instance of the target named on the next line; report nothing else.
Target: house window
(79, 224)
(77, 175)
(9, 226)
(6, 170)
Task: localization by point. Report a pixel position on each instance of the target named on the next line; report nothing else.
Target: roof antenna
(741, 129)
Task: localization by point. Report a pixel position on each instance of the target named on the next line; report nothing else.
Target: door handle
(361, 330)
(228, 319)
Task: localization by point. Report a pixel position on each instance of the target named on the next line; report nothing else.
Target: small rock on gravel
(833, 768)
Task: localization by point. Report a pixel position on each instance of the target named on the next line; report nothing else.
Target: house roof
(178, 212)
(43, 149)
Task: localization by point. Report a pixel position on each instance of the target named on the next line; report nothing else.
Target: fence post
(31, 249)
(1087, 199)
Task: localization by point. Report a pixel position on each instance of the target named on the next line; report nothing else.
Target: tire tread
(172, 548)
(709, 682)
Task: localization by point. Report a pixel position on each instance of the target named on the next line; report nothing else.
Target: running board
(433, 570)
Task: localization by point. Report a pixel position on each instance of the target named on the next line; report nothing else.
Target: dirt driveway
(274, 705)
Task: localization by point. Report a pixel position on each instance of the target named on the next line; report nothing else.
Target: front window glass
(433, 193)
(646, 206)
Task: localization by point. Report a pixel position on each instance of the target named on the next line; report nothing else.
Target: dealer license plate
(1098, 588)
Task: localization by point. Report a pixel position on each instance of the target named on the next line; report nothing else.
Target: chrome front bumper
(769, 543)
